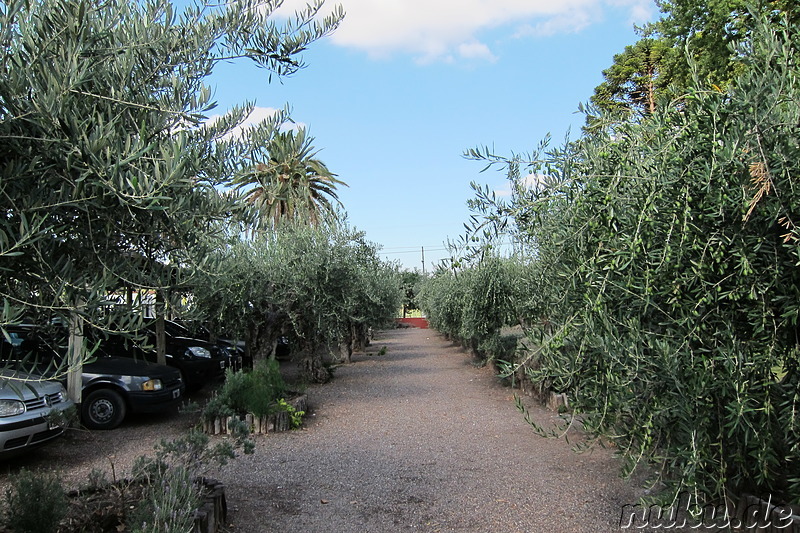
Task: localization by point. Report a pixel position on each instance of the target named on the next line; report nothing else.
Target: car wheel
(103, 409)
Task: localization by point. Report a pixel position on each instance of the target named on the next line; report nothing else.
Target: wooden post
(75, 355)
(161, 339)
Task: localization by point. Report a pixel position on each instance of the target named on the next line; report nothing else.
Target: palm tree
(293, 185)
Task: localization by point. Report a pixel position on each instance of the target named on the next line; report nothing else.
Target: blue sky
(404, 87)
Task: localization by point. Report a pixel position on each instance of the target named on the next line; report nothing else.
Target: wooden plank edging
(271, 423)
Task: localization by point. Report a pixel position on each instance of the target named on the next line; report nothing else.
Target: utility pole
(423, 260)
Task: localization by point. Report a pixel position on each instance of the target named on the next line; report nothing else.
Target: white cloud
(528, 182)
(258, 115)
(476, 50)
(640, 11)
(562, 23)
(294, 126)
(434, 30)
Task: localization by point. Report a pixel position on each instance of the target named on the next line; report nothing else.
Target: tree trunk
(265, 344)
(346, 352)
(651, 89)
(249, 343)
(212, 331)
(273, 349)
(263, 339)
(161, 336)
(360, 337)
(311, 368)
(75, 357)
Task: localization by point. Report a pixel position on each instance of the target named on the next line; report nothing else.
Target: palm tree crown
(293, 185)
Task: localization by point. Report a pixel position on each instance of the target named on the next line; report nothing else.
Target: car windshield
(27, 349)
(175, 329)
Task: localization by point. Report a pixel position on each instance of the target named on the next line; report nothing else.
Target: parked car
(233, 350)
(199, 362)
(33, 411)
(112, 386)
(237, 347)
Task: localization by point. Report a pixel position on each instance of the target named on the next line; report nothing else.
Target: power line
(416, 247)
(414, 251)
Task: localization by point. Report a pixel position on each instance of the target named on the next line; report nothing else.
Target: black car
(237, 348)
(233, 350)
(112, 387)
(199, 362)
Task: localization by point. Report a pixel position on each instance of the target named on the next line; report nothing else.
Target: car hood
(124, 366)
(189, 341)
(25, 386)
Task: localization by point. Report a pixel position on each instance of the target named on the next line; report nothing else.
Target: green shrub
(172, 492)
(295, 416)
(500, 347)
(474, 304)
(168, 504)
(248, 392)
(36, 502)
(664, 282)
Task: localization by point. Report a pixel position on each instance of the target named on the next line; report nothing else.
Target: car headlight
(143, 383)
(11, 408)
(198, 351)
(152, 385)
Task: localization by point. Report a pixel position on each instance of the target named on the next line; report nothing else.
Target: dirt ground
(417, 439)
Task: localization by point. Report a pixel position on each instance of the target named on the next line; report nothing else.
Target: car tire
(103, 409)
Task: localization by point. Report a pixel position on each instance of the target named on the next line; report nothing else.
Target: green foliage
(63, 418)
(292, 185)
(635, 81)
(162, 496)
(703, 34)
(472, 305)
(694, 42)
(168, 504)
(662, 288)
(253, 392)
(109, 171)
(315, 285)
(193, 453)
(171, 478)
(124, 189)
(487, 301)
(441, 299)
(411, 281)
(36, 502)
(295, 416)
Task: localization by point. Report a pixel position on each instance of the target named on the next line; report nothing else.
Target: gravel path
(417, 439)
(421, 440)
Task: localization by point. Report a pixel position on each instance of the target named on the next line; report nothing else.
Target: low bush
(256, 392)
(161, 496)
(171, 479)
(36, 502)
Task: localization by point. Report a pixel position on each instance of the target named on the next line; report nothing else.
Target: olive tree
(109, 171)
(668, 249)
(321, 286)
